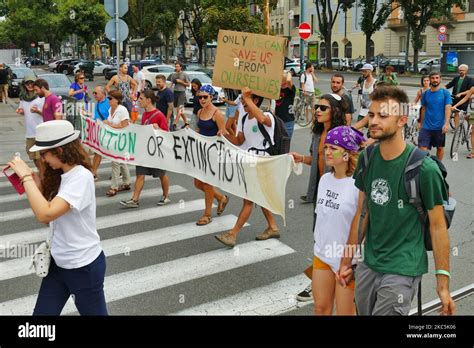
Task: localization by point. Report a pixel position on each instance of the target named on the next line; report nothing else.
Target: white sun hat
(52, 134)
(367, 66)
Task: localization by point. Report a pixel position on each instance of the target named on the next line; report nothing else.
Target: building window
(348, 50)
(296, 3)
(423, 46)
(403, 44)
(281, 30)
(296, 21)
(323, 50)
(470, 36)
(335, 49)
(470, 6)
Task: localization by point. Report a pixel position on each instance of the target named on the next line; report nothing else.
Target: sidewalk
(12, 134)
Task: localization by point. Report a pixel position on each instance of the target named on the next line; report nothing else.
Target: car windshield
(201, 77)
(424, 61)
(20, 73)
(55, 81)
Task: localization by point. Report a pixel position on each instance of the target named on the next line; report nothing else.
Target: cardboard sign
(249, 60)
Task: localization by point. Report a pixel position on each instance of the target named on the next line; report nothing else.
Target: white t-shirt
(254, 139)
(365, 100)
(120, 114)
(32, 119)
(139, 77)
(336, 206)
(76, 242)
(309, 83)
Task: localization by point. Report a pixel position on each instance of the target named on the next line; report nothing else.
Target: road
(159, 262)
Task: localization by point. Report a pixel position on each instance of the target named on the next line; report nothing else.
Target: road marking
(123, 285)
(121, 245)
(122, 218)
(155, 192)
(272, 299)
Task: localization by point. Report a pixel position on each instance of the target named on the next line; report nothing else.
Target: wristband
(25, 176)
(443, 272)
(303, 160)
(23, 181)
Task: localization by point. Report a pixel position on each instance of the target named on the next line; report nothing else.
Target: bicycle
(300, 107)
(462, 134)
(411, 130)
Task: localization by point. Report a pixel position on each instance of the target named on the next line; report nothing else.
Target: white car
(205, 80)
(52, 66)
(150, 72)
(99, 67)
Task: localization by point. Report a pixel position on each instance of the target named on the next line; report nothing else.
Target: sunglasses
(43, 154)
(321, 107)
(94, 93)
(110, 98)
(81, 78)
(203, 97)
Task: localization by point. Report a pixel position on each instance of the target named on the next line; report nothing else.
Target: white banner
(213, 160)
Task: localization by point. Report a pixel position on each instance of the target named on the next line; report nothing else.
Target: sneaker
(130, 203)
(268, 233)
(304, 199)
(228, 239)
(164, 201)
(306, 294)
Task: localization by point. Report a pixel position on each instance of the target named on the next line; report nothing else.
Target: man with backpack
(255, 134)
(398, 185)
(308, 82)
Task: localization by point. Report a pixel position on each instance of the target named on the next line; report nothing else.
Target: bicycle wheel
(456, 140)
(468, 138)
(451, 121)
(302, 121)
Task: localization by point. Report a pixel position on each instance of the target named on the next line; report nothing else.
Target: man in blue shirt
(101, 113)
(436, 104)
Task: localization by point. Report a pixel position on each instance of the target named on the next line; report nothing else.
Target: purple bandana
(347, 137)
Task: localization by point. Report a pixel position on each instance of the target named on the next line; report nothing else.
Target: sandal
(124, 187)
(205, 220)
(111, 192)
(221, 206)
(470, 156)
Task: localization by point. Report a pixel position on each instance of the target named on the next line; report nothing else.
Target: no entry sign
(304, 30)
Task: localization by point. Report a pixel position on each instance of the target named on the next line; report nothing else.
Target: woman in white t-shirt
(336, 205)
(65, 199)
(118, 118)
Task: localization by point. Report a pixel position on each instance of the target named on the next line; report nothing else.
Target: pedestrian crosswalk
(153, 249)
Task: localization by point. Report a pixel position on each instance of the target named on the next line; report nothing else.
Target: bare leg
(243, 217)
(270, 219)
(209, 198)
(345, 301)
(324, 284)
(440, 153)
(96, 163)
(165, 185)
(139, 183)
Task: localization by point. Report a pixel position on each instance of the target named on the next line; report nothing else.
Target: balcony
(396, 24)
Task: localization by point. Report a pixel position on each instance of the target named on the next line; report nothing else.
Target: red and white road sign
(442, 29)
(304, 30)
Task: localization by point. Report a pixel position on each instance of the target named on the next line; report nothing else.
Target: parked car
(53, 65)
(293, 66)
(150, 73)
(198, 67)
(341, 64)
(205, 80)
(108, 74)
(59, 84)
(17, 75)
(99, 67)
(425, 66)
(141, 64)
(398, 65)
(194, 60)
(66, 67)
(33, 61)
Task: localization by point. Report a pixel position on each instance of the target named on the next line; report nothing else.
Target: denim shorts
(431, 138)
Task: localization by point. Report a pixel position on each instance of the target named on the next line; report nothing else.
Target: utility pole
(302, 19)
(117, 43)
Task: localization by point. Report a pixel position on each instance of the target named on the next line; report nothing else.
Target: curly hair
(73, 154)
(338, 117)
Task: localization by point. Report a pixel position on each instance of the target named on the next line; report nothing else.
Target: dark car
(398, 65)
(17, 76)
(59, 84)
(34, 61)
(67, 67)
(198, 67)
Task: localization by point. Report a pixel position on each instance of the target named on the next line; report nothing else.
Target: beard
(385, 135)
(336, 91)
(435, 84)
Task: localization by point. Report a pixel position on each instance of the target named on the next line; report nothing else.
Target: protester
(335, 208)
(195, 87)
(179, 82)
(101, 113)
(337, 87)
(164, 99)
(308, 82)
(394, 255)
(329, 114)
(253, 142)
(425, 85)
(229, 100)
(436, 104)
(139, 79)
(155, 118)
(28, 100)
(460, 84)
(367, 88)
(65, 199)
(52, 107)
(389, 76)
(118, 118)
(125, 84)
(78, 89)
(210, 123)
(284, 105)
(4, 77)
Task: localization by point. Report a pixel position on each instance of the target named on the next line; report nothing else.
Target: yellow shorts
(32, 155)
(323, 266)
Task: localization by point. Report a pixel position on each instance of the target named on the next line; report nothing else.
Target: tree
(373, 19)
(326, 18)
(419, 13)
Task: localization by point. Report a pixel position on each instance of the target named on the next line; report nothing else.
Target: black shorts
(431, 138)
(155, 172)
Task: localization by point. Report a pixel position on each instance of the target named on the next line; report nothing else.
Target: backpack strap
(265, 134)
(412, 181)
(243, 121)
